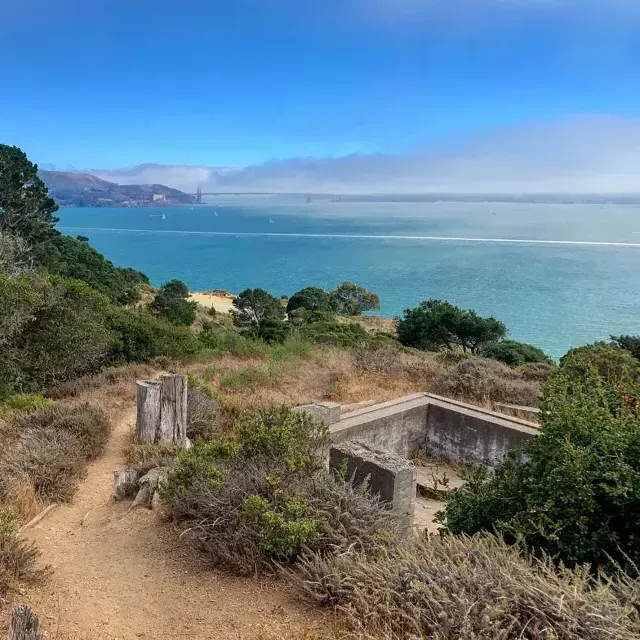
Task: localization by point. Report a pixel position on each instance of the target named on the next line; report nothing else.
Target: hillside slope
(85, 190)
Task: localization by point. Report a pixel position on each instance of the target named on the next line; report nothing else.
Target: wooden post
(173, 415)
(24, 624)
(148, 414)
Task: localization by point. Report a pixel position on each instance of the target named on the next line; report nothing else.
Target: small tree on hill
(25, 206)
(253, 306)
(353, 299)
(312, 299)
(514, 353)
(171, 303)
(628, 343)
(437, 324)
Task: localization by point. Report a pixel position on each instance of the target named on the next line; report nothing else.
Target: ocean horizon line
(347, 236)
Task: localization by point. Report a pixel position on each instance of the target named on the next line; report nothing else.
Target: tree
(171, 303)
(437, 324)
(573, 492)
(253, 306)
(514, 353)
(25, 206)
(273, 330)
(629, 343)
(353, 299)
(312, 299)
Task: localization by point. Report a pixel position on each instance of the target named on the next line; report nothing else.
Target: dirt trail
(120, 575)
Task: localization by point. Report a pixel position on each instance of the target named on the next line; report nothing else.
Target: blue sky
(114, 83)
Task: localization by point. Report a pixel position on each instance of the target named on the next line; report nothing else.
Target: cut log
(24, 624)
(34, 521)
(148, 413)
(173, 415)
(149, 484)
(125, 483)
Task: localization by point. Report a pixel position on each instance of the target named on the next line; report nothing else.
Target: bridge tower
(199, 195)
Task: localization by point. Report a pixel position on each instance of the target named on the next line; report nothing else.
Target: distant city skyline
(334, 95)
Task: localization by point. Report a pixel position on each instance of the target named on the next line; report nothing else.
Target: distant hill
(85, 190)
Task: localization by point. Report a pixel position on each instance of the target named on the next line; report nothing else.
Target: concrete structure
(391, 477)
(437, 427)
(327, 412)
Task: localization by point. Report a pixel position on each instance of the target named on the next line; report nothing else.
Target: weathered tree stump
(162, 411)
(24, 624)
(148, 411)
(125, 483)
(173, 415)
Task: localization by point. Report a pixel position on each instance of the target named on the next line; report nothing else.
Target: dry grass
(468, 589)
(145, 457)
(18, 563)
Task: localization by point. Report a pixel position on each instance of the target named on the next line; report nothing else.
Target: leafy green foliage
(171, 303)
(25, 206)
(629, 343)
(273, 330)
(313, 299)
(437, 324)
(573, 491)
(25, 402)
(75, 258)
(514, 353)
(140, 337)
(52, 330)
(326, 330)
(353, 299)
(253, 306)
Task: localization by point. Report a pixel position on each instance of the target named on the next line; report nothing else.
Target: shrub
(515, 353)
(140, 337)
(203, 411)
(18, 563)
(484, 381)
(273, 330)
(250, 377)
(54, 445)
(53, 330)
(221, 341)
(437, 324)
(25, 402)
(253, 306)
(262, 498)
(170, 303)
(629, 343)
(575, 493)
(333, 333)
(468, 589)
(536, 371)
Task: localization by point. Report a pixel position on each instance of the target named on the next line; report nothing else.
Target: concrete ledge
(391, 477)
(327, 412)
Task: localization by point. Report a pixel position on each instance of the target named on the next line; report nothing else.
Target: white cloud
(582, 155)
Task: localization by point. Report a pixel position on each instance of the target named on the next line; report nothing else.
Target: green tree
(514, 353)
(437, 324)
(253, 306)
(629, 343)
(25, 206)
(573, 491)
(353, 299)
(171, 303)
(312, 299)
(273, 330)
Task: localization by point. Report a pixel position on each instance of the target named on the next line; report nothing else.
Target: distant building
(158, 196)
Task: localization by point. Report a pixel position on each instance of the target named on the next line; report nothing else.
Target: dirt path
(121, 575)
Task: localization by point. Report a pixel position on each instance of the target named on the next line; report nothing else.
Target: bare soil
(120, 574)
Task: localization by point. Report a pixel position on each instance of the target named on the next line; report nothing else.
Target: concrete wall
(392, 477)
(466, 434)
(398, 426)
(436, 426)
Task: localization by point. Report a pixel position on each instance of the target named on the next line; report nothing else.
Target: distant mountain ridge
(86, 190)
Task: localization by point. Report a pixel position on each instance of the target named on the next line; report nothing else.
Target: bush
(313, 299)
(515, 353)
(467, 589)
(25, 402)
(483, 381)
(273, 330)
(262, 498)
(170, 303)
(332, 333)
(629, 343)
(18, 563)
(140, 337)
(53, 330)
(221, 341)
(575, 491)
(253, 306)
(54, 445)
(203, 411)
(536, 371)
(353, 300)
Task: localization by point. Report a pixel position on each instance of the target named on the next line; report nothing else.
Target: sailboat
(164, 217)
(215, 213)
(270, 220)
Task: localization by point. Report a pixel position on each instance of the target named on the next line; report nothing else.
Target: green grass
(251, 377)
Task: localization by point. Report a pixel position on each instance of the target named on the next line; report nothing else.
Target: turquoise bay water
(519, 263)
